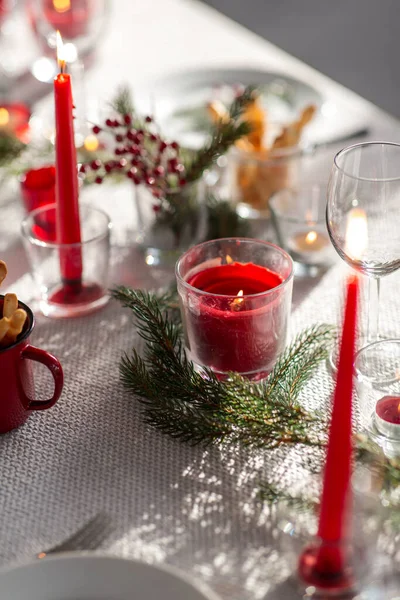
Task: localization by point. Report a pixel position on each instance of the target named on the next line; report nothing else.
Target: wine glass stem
(374, 289)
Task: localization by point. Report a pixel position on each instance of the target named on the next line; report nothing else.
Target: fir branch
(10, 148)
(223, 135)
(123, 103)
(202, 409)
(223, 220)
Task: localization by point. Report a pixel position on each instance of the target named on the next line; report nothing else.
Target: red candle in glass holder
(232, 328)
(69, 17)
(387, 416)
(14, 120)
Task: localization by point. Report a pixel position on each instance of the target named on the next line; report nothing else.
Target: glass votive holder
(38, 187)
(324, 569)
(377, 375)
(53, 265)
(299, 221)
(235, 297)
(254, 177)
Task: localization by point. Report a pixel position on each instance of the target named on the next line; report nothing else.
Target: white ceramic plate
(179, 100)
(84, 577)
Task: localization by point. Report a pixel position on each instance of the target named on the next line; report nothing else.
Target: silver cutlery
(88, 537)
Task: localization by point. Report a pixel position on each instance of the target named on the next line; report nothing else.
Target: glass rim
(44, 244)
(344, 151)
(366, 378)
(291, 219)
(233, 296)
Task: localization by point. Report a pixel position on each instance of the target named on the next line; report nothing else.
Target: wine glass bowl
(366, 177)
(364, 194)
(80, 23)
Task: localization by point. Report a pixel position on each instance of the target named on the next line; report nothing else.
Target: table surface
(190, 507)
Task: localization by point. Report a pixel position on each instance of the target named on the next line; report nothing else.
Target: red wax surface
(388, 409)
(67, 220)
(74, 294)
(226, 334)
(334, 501)
(71, 23)
(230, 279)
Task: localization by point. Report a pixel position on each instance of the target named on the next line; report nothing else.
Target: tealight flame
(311, 237)
(60, 53)
(4, 117)
(398, 408)
(356, 233)
(238, 301)
(397, 373)
(228, 259)
(91, 143)
(61, 6)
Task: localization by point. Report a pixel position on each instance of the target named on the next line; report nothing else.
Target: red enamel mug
(17, 389)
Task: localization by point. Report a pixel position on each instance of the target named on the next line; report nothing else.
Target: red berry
(109, 123)
(148, 119)
(95, 164)
(134, 162)
(131, 135)
(83, 168)
(153, 138)
(174, 145)
(117, 151)
(115, 123)
(156, 208)
(179, 168)
(127, 119)
(162, 146)
(135, 150)
(122, 163)
(136, 180)
(150, 180)
(98, 180)
(96, 129)
(172, 165)
(159, 171)
(182, 182)
(108, 167)
(119, 137)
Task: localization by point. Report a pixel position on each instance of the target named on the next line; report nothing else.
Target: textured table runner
(170, 502)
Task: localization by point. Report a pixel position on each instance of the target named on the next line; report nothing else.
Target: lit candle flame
(356, 234)
(228, 259)
(4, 117)
(91, 143)
(238, 301)
(60, 53)
(61, 6)
(311, 237)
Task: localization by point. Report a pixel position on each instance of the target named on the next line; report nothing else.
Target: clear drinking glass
(59, 297)
(235, 296)
(377, 375)
(298, 217)
(366, 178)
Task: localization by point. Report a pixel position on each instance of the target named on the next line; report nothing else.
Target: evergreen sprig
(10, 148)
(199, 408)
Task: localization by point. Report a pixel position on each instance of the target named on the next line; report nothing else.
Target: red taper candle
(324, 564)
(67, 220)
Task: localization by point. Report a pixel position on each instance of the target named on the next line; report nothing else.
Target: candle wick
(62, 67)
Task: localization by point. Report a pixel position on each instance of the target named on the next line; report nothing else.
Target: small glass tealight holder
(72, 279)
(377, 375)
(235, 297)
(299, 221)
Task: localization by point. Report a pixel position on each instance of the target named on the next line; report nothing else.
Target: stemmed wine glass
(365, 183)
(80, 23)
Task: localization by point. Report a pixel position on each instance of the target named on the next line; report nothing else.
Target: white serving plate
(77, 576)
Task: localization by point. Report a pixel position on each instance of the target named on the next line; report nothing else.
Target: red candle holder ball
(235, 296)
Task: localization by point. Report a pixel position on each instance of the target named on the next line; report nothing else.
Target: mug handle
(53, 364)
